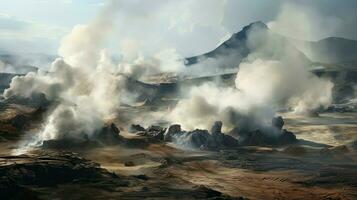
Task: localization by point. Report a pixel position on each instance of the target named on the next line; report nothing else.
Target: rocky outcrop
(171, 131)
(278, 122)
(216, 140)
(108, 135)
(273, 135)
(216, 128)
(155, 133)
(202, 139)
(134, 128)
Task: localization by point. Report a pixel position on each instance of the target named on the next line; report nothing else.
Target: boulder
(220, 139)
(155, 133)
(193, 139)
(172, 130)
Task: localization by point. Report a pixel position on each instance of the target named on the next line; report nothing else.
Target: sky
(189, 26)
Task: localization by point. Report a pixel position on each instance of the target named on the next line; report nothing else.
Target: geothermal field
(267, 112)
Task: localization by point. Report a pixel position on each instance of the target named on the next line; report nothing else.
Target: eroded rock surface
(66, 175)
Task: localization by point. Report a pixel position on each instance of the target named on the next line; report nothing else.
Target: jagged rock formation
(215, 139)
(156, 133)
(172, 130)
(278, 122)
(265, 136)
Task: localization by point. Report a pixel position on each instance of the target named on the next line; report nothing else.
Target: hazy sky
(190, 26)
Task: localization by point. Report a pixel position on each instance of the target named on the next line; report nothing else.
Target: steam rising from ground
(85, 91)
(272, 78)
(87, 86)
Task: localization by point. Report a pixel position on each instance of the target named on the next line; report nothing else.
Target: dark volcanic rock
(134, 128)
(154, 128)
(193, 139)
(220, 139)
(278, 122)
(109, 134)
(260, 138)
(229, 141)
(287, 137)
(216, 128)
(173, 129)
(257, 138)
(265, 136)
(198, 138)
(155, 133)
(201, 138)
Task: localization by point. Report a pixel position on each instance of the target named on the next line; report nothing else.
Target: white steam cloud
(84, 90)
(87, 86)
(274, 76)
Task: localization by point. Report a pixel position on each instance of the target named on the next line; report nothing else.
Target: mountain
(258, 38)
(331, 50)
(23, 63)
(333, 58)
(254, 38)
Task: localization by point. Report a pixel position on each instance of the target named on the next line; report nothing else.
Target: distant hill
(233, 51)
(239, 46)
(331, 50)
(23, 63)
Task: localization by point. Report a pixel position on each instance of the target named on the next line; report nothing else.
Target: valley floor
(164, 171)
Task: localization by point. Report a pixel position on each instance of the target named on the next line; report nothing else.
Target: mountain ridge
(330, 50)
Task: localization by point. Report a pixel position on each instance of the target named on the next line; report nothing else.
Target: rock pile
(274, 135)
(154, 133)
(108, 135)
(200, 138)
(266, 136)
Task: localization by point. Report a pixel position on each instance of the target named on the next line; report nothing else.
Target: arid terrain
(182, 100)
(142, 167)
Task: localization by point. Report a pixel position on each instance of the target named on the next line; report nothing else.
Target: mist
(87, 85)
(271, 78)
